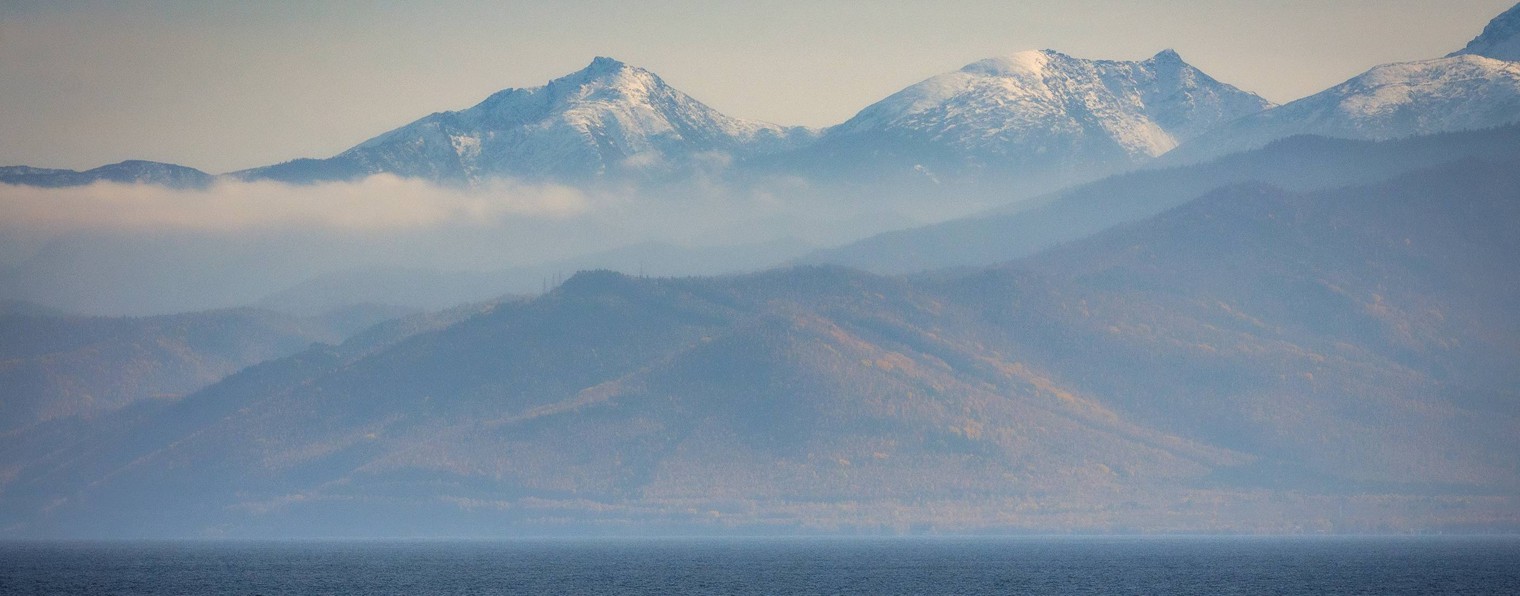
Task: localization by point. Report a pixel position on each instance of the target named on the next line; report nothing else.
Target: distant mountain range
(1035, 119)
(55, 365)
(126, 172)
(1319, 334)
(1253, 360)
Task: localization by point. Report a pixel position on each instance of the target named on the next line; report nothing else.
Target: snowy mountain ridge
(1035, 120)
(608, 117)
(1473, 88)
(1032, 121)
(994, 105)
(1461, 92)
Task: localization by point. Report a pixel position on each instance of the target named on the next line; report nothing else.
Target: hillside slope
(1256, 360)
(55, 365)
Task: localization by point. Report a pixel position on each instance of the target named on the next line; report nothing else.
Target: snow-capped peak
(1041, 100)
(1499, 40)
(1477, 87)
(1461, 92)
(1026, 63)
(607, 117)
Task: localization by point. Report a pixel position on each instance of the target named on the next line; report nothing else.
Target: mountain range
(1253, 319)
(126, 172)
(606, 119)
(1033, 112)
(1253, 360)
(1034, 119)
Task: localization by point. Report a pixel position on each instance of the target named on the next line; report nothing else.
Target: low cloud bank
(111, 248)
(380, 202)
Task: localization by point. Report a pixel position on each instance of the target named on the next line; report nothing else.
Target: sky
(223, 86)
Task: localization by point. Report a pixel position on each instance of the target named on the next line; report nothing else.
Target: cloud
(377, 203)
(139, 249)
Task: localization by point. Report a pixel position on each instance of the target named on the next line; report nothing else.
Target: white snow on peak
(1477, 87)
(1461, 92)
(1038, 100)
(1499, 40)
(1026, 63)
(605, 117)
(1377, 95)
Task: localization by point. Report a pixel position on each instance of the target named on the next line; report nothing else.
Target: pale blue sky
(230, 85)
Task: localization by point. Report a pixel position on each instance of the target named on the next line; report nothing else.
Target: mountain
(1396, 100)
(1021, 124)
(1477, 87)
(1033, 116)
(609, 118)
(1042, 117)
(1410, 280)
(126, 172)
(1255, 360)
(1499, 40)
(54, 365)
(1299, 163)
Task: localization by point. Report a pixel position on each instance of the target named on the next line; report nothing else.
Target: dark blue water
(774, 566)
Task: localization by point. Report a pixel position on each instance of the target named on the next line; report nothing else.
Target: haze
(1091, 289)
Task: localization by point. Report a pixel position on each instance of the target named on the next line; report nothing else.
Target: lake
(1062, 565)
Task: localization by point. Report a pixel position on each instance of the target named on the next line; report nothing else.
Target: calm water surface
(773, 566)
